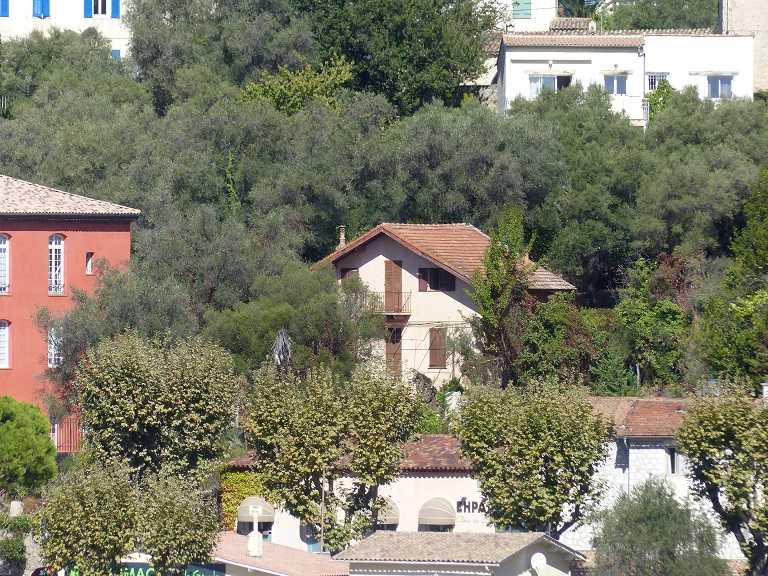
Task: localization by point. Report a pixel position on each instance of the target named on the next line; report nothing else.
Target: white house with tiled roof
(627, 63)
(422, 274)
(450, 554)
(19, 18)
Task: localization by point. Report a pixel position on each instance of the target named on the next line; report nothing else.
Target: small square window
(719, 86)
(616, 84)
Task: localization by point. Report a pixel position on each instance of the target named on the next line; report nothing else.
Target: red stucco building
(49, 243)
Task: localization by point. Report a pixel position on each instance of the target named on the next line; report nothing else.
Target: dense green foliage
(536, 451)
(303, 427)
(237, 193)
(156, 404)
(648, 532)
(725, 439)
(95, 514)
(27, 453)
(661, 14)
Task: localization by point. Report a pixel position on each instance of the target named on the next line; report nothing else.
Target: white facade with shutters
(19, 18)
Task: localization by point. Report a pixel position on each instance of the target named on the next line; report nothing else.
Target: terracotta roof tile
(456, 547)
(277, 559)
(19, 198)
(458, 248)
(435, 452)
(643, 417)
(568, 38)
(582, 24)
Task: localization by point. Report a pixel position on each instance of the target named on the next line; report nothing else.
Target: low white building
(628, 64)
(446, 554)
(435, 491)
(21, 18)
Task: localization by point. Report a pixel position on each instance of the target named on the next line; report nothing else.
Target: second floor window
(719, 86)
(56, 264)
(99, 7)
(4, 264)
(654, 80)
(436, 279)
(616, 84)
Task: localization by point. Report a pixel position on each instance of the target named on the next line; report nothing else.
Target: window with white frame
(719, 86)
(552, 81)
(100, 8)
(56, 264)
(54, 348)
(4, 339)
(4, 264)
(616, 84)
(654, 80)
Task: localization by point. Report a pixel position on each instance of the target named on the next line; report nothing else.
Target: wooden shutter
(437, 347)
(4, 8)
(87, 8)
(46, 8)
(393, 286)
(115, 8)
(423, 279)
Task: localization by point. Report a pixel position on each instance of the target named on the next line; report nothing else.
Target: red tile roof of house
(570, 38)
(433, 453)
(276, 559)
(458, 248)
(20, 199)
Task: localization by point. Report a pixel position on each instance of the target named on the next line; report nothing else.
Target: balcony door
(393, 286)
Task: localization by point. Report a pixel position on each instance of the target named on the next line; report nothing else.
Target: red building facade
(49, 243)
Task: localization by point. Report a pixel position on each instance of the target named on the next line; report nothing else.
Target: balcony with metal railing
(393, 302)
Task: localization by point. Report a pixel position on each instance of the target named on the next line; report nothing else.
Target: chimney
(255, 544)
(342, 237)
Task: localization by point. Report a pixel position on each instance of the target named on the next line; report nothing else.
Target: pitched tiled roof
(277, 559)
(454, 547)
(582, 24)
(643, 417)
(24, 199)
(458, 248)
(435, 452)
(570, 38)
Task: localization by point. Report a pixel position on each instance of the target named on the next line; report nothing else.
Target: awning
(390, 514)
(249, 507)
(437, 512)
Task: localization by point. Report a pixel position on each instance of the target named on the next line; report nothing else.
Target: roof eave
(67, 217)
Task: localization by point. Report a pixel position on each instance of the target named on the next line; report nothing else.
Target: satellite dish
(538, 561)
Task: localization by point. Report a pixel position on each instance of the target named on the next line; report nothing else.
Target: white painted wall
(748, 18)
(428, 309)
(585, 65)
(65, 15)
(690, 59)
(685, 59)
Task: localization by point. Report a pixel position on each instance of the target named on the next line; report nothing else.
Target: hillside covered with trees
(249, 133)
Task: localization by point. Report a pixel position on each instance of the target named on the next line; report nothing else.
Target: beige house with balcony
(422, 274)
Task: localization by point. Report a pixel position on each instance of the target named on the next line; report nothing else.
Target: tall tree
(662, 14)
(96, 513)
(154, 403)
(536, 451)
(309, 431)
(725, 439)
(412, 51)
(500, 293)
(649, 532)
